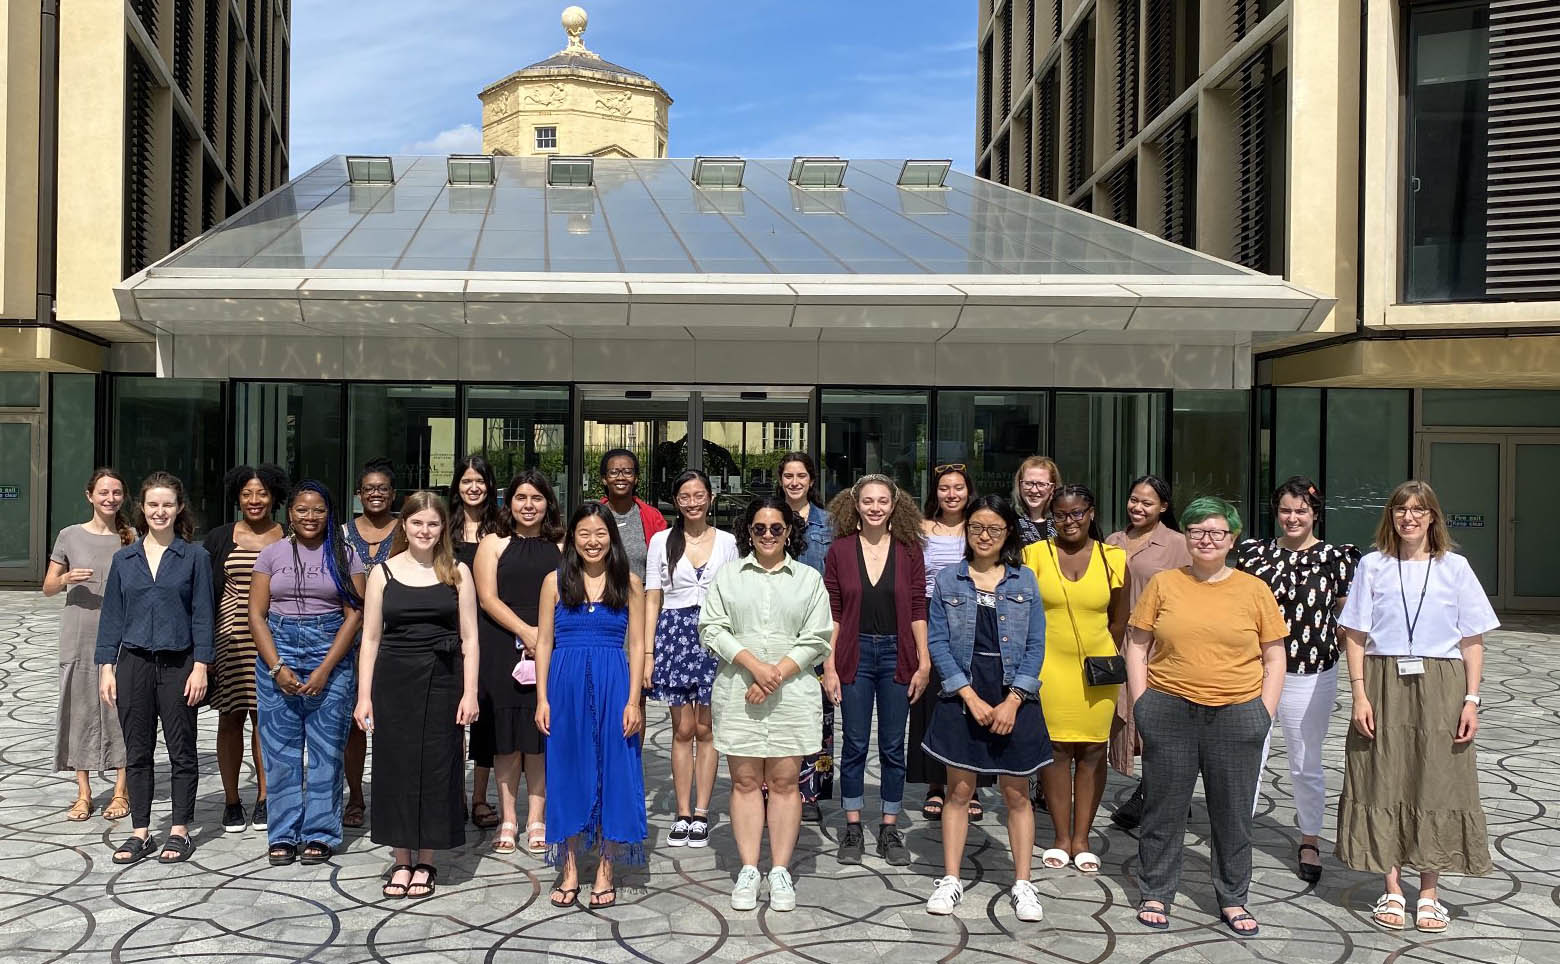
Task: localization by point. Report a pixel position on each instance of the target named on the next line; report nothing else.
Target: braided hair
(334, 547)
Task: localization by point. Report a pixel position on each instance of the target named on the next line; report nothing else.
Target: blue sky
(759, 78)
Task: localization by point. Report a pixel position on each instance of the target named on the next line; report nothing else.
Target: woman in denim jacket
(986, 634)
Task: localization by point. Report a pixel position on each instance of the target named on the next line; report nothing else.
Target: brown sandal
(118, 808)
(353, 816)
(80, 810)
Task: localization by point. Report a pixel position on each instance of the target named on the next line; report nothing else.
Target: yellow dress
(1075, 713)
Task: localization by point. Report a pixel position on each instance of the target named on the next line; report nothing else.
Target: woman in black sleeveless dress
(417, 686)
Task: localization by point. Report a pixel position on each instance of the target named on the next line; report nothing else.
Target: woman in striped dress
(257, 491)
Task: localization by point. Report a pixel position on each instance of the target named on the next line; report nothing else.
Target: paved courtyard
(62, 900)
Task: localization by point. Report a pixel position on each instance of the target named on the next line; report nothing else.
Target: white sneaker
(1026, 901)
(782, 893)
(946, 895)
(744, 896)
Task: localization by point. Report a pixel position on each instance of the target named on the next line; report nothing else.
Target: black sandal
(315, 852)
(282, 854)
(393, 890)
(1163, 910)
(433, 876)
(596, 903)
(571, 896)
(1310, 873)
(134, 850)
(932, 808)
(976, 810)
(179, 845)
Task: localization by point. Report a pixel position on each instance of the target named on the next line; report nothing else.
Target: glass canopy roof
(645, 216)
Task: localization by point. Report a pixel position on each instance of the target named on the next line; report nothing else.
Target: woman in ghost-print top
(1310, 579)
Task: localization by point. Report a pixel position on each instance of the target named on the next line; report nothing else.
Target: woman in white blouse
(1414, 622)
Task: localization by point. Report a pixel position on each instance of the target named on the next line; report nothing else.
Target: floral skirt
(684, 670)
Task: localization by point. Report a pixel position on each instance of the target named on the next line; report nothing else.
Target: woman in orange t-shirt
(1203, 704)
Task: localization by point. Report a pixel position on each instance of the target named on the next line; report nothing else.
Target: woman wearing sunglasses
(766, 617)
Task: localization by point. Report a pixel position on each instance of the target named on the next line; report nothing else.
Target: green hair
(1208, 506)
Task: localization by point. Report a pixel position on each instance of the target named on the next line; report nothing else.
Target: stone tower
(575, 103)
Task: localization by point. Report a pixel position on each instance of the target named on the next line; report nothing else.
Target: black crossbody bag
(1097, 670)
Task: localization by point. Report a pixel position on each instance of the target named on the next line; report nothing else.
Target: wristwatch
(1472, 698)
(277, 668)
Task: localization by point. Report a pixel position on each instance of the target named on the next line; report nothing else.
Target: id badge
(1410, 666)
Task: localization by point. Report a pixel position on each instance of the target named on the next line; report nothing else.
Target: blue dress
(595, 780)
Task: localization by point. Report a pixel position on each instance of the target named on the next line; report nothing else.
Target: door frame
(38, 502)
(1503, 597)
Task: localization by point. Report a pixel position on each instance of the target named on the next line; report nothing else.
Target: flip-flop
(1055, 859)
(80, 810)
(571, 896)
(1163, 910)
(1086, 858)
(596, 903)
(1230, 920)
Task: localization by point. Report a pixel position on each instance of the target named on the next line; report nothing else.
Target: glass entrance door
(21, 498)
(651, 423)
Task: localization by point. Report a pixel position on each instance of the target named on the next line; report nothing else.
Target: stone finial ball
(574, 19)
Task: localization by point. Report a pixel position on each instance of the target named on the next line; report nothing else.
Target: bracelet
(1472, 698)
(1023, 697)
(278, 668)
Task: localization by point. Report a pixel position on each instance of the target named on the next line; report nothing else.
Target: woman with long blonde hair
(417, 686)
(876, 580)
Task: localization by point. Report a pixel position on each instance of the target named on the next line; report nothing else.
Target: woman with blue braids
(305, 609)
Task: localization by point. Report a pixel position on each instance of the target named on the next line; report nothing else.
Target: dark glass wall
(73, 455)
(176, 425)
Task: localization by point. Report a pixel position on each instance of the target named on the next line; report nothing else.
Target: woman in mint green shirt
(766, 617)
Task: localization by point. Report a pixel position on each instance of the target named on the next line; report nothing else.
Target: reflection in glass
(411, 425)
(1537, 465)
(1489, 407)
(72, 429)
(874, 431)
(173, 425)
(1210, 445)
(1367, 456)
(991, 433)
(297, 425)
(520, 428)
(16, 453)
(1107, 439)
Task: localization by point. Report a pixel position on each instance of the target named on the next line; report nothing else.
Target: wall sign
(1465, 521)
(9, 493)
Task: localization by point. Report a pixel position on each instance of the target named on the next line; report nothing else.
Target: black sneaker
(891, 845)
(234, 820)
(259, 817)
(852, 845)
(699, 832)
(811, 813)
(1130, 814)
(679, 835)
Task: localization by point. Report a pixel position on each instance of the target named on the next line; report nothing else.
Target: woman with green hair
(1203, 705)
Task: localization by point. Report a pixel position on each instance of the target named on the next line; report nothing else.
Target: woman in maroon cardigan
(877, 591)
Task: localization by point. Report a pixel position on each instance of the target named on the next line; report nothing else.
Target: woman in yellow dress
(1081, 581)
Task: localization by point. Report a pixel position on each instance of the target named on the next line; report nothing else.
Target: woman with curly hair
(766, 617)
(258, 491)
(876, 580)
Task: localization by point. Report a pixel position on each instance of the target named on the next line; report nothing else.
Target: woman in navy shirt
(154, 645)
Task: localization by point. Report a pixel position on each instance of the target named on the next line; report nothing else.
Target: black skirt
(954, 738)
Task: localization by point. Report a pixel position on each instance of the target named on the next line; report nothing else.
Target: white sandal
(1429, 909)
(1055, 854)
(1093, 862)
(1390, 904)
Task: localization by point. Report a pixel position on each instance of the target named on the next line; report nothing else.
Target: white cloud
(465, 139)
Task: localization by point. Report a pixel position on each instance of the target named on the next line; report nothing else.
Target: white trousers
(1304, 712)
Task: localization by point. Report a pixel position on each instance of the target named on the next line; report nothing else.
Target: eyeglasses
(1411, 511)
(1075, 515)
(1037, 486)
(375, 490)
(948, 467)
(694, 499)
(1207, 535)
(977, 530)
(314, 513)
(621, 473)
(775, 529)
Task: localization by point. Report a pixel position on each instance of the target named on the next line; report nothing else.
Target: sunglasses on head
(775, 529)
(948, 467)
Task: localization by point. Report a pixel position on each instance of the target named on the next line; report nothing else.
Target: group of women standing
(992, 641)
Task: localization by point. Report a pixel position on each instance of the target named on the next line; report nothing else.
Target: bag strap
(1061, 577)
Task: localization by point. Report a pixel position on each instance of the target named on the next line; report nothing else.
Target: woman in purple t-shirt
(305, 607)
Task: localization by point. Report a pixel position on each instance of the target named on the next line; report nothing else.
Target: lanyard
(1403, 594)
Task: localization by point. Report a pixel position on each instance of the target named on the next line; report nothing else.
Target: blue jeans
(874, 685)
(292, 725)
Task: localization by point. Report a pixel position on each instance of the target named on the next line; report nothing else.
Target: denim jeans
(874, 686)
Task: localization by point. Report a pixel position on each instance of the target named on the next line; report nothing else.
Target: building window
(991, 432)
(411, 425)
(874, 431)
(547, 138)
(174, 425)
(1107, 439)
(1446, 152)
(297, 425)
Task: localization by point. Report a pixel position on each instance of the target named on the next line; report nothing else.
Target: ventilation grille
(212, 192)
(1056, 20)
(183, 186)
(1029, 41)
(1078, 119)
(1522, 200)
(251, 180)
(1126, 73)
(1023, 130)
(1179, 153)
(1251, 189)
(1121, 188)
(235, 93)
(183, 45)
(263, 48)
(1007, 61)
(209, 73)
(985, 97)
(1046, 127)
(999, 157)
(139, 154)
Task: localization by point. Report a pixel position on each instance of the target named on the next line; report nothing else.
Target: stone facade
(591, 105)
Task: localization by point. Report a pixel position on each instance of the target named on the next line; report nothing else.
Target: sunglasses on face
(775, 529)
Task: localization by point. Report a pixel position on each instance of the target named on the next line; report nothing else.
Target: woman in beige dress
(88, 737)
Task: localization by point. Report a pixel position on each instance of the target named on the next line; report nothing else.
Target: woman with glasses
(637, 520)
(1414, 623)
(877, 660)
(798, 485)
(258, 491)
(474, 510)
(942, 532)
(1153, 544)
(767, 619)
(987, 634)
(304, 610)
(1082, 583)
(1204, 703)
(681, 565)
(1034, 483)
(1310, 579)
(371, 535)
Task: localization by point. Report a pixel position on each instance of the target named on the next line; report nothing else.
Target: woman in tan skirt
(1415, 624)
